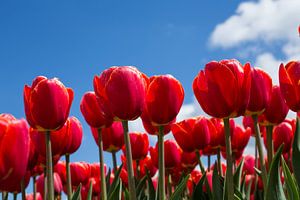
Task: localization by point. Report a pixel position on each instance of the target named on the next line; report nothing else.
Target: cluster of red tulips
(225, 90)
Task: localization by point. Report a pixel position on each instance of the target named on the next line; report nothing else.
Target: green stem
(137, 162)
(229, 174)
(114, 158)
(4, 195)
(202, 168)
(270, 146)
(23, 189)
(15, 196)
(69, 187)
(161, 164)
(101, 160)
(49, 166)
(131, 184)
(169, 185)
(260, 151)
(45, 185)
(208, 163)
(219, 162)
(34, 187)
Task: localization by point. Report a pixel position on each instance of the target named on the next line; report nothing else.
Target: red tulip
(249, 164)
(240, 138)
(172, 152)
(94, 111)
(80, 173)
(112, 137)
(193, 180)
(189, 160)
(14, 151)
(277, 103)
(248, 123)
(30, 196)
(58, 187)
(74, 132)
(95, 170)
(139, 145)
(289, 78)
(223, 88)
(260, 93)
(193, 134)
(154, 130)
(217, 138)
(60, 169)
(164, 98)
(47, 103)
(123, 89)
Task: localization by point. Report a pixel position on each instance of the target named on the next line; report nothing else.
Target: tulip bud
(47, 103)
(74, 132)
(80, 173)
(123, 90)
(139, 145)
(58, 187)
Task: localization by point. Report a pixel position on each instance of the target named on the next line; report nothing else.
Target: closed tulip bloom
(193, 134)
(75, 133)
(94, 111)
(154, 130)
(112, 137)
(260, 93)
(14, 151)
(47, 103)
(95, 170)
(164, 98)
(240, 138)
(189, 160)
(60, 169)
(248, 123)
(173, 152)
(217, 138)
(80, 173)
(289, 78)
(223, 88)
(139, 145)
(249, 164)
(123, 89)
(30, 196)
(58, 187)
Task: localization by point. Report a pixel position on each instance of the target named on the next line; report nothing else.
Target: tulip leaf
(76, 195)
(107, 180)
(290, 182)
(217, 186)
(116, 194)
(274, 187)
(248, 190)
(115, 182)
(90, 193)
(179, 189)
(198, 190)
(141, 187)
(238, 175)
(296, 153)
(151, 189)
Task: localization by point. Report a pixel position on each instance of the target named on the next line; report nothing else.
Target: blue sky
(75, 40)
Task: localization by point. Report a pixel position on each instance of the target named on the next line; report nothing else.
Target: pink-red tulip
(60, 169)
(154, 130)
(193, 134)
(37, 197)
(123, 89)
(113, 137)
(139, 145)
(164, 98)
(173, 152)
(94, 111)
(223, 88)
(14, 151)
(58, 187)
(248, 123)
(260, 92)
(80, 173)
(189, 160)
(47, 103)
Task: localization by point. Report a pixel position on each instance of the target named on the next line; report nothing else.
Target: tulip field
(173, 169)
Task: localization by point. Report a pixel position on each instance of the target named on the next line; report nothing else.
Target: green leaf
(150, 187)
(141, 187)
(117, 193)
(217, 186)
(290, 182)
(76, 195)
(179, 189)
(90, 193)
(198, 190)
(238, 175)
(248, 190)
(115, 182)
(296, 153)
(274, 189)
(107, 179)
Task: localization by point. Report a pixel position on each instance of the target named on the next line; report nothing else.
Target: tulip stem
(50, 188)
(161, 164)
(69, 187)
(202, 168)
(260, 151)
(34, 187)
(4, 195)
(169, 185)
(208, 163)
(229, 175)
(15, 196)
(102, 173)
(219, 161)
(114, 158)
(131, 184)
(23, 189)
(270, 146)
(137, 162)
(45, 185)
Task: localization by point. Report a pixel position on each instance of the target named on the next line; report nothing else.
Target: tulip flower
(289, 78)
(154, 130)
(164, 98)
(223, 91)
(80, 173)
(139, 145)
(14, 151)
(123, 90)
(239, 139)
(31, 196)
(249, 164)
(47, 105)
(58, 187)
(189, 160)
